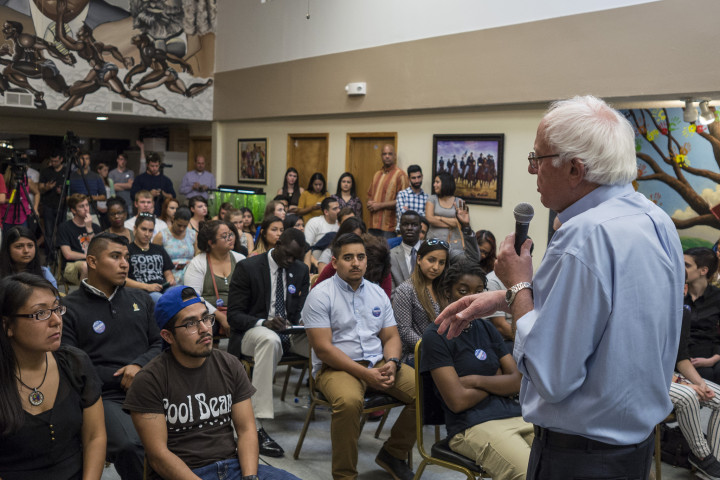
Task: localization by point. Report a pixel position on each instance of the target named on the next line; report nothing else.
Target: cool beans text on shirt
(185, 412)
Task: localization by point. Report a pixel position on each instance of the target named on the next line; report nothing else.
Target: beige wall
(415, 133)
(650, 51)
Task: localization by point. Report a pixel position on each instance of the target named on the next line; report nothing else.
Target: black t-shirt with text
(148, 267)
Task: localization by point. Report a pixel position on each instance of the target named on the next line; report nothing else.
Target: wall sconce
(706, 115)
(690, 113)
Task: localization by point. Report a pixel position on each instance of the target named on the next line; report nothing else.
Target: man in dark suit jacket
(267, 294)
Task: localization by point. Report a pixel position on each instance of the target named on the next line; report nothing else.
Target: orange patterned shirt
(385, 186)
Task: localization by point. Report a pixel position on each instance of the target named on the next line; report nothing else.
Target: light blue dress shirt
(355, 317)
(597, 351)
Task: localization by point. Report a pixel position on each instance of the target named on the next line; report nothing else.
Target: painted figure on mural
(28, 61)
(102, 74)
(161, 73)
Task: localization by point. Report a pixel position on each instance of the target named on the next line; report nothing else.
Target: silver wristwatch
(513, 291)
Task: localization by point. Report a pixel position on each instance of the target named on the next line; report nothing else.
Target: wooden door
(363, 160)
(201, 146)
(308, 153)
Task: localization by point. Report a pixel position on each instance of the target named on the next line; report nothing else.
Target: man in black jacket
(267, 294)
(115, 326)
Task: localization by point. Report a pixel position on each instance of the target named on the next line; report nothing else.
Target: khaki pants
(346, 394)
(501, 447)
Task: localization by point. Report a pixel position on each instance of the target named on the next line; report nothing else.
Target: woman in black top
(51, 420)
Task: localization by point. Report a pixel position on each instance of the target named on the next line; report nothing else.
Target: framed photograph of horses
(252, 160)
(475, 163)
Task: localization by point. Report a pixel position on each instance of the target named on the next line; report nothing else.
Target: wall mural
(85, 54)
(679, 170)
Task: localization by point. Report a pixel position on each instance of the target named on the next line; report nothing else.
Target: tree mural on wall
(666, 136)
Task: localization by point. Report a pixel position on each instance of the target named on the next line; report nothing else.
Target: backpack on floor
(673, 447)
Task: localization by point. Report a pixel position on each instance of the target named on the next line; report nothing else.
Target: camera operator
(52, 179)
(86, 181)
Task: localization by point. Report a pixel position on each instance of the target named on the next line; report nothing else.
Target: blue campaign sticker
(98, 326)
(292, 289)
(480, 354)
(219, 302)
(376, 312)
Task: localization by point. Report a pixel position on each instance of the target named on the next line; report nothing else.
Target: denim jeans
(230, 470)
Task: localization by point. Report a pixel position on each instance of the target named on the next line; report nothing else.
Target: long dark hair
(14, 292)
(378, 258)
(420, 282)
(458, 267)
(295, 197)
(7, 266)
(261, 246)
(487, 263)
(208, 232)
(353, 191)
(251, 231)
(317, 176)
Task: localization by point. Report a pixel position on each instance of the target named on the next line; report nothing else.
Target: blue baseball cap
(172, 302)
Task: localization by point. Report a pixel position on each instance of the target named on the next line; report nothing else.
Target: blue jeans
(230, 470)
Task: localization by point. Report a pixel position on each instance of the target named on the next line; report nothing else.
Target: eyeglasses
(436, 241)
(192, 326)
(44, 315)
(533, 159)
(226, 236)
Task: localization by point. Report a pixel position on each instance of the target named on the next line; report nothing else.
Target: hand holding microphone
(523, 213)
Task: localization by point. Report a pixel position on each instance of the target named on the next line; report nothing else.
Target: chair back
(423, 392)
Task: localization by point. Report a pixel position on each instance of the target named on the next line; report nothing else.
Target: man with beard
(186, 402)
(413, 197)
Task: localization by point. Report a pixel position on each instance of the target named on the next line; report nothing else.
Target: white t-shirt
(316, 228)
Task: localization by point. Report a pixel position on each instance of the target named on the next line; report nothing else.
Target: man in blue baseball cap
(185, 402)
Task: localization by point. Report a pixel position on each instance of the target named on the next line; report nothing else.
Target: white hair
(589, 129)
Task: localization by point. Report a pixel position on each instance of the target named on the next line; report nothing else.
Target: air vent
(18, 99)
(121, 107)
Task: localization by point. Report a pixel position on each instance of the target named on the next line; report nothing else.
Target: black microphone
(523, 214)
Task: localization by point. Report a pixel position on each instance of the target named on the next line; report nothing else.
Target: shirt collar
(271, 261)
(97, 292)
(343, 285)
(601, 194)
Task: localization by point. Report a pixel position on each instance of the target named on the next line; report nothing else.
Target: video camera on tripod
(9, 157)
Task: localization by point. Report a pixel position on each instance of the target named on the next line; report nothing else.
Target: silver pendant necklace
(36, 397)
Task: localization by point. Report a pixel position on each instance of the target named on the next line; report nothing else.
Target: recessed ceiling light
(101, 118)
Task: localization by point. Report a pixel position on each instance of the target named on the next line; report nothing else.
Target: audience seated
(346, 194)
(267, 294)
(178, 241)
(294, 221)
(689, 392)
(475, 376)
(169, 207)
(42, 393)
(192, 375)
(378, 264)
(346, 213)
(144, 204)
(348, 360)
(416, 301)
(403, 257)
(224, 208)
(74, 236)
(270, 230)
(19, 254)
(291, 189)
(114, 325)
(275, 208)
(199, 209)
(249, 222)
(310, 200)
(488, 250)
(703, 302)
(350, 225)
(117, 215)
(319, 231)
(209, 273)
(242, 239)
(151, 268)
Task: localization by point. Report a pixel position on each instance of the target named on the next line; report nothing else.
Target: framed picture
(475, 163)
(252, 160)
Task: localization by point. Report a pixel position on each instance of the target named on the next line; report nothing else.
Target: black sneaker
(394, 466)
(708, 468)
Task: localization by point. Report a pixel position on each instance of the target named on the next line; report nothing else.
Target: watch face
(508, 295)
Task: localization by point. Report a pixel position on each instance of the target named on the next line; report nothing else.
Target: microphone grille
(523, 212)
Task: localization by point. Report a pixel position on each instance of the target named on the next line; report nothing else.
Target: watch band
(514, 290)
(397, 362)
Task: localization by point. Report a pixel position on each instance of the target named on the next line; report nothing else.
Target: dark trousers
(572, 457)
(124, 448)
(710, 373)
(49, 215)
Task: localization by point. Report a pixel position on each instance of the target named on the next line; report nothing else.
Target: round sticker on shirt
(480, 354)
(292, 289)
(376, 312)
(98, 326)
(219, 302)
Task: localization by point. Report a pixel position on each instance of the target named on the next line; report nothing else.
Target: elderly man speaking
(598, 324)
